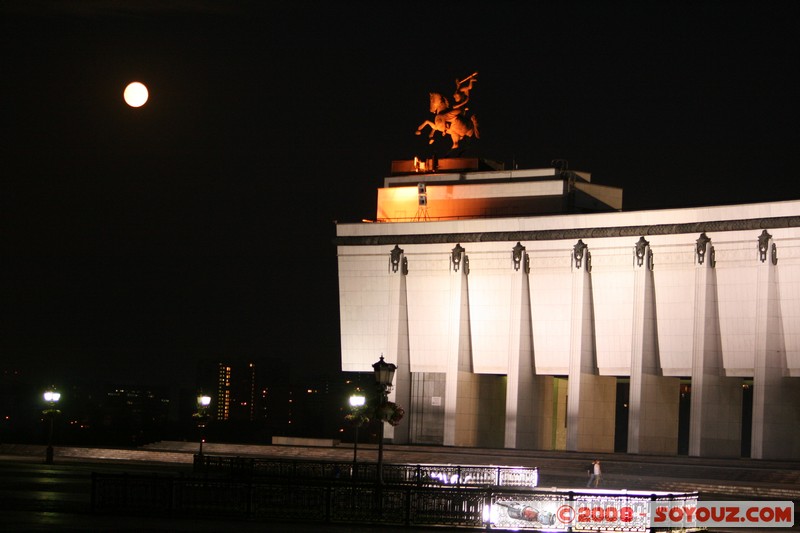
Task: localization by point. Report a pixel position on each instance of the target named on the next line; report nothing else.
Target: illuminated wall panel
(737, 276)
(550, 285)
(612, 297)
(789, 295)
(363, 306)
(673, 277)
(428, 290)
(490, 310)
(470, 200)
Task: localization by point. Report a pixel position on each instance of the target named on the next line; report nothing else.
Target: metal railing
(337, 501)
(419, 475)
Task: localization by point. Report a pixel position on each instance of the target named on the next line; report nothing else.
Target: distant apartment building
(233, 389)
(261, 398)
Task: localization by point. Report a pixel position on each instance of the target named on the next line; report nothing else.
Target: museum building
(524, 309)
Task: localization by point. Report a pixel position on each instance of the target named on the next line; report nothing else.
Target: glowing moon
(135, 94)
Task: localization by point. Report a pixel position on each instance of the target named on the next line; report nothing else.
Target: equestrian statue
(452, 120)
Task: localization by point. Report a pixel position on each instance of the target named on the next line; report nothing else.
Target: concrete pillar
(776, 398)
(715, 423)
(524, 418)
(591, 398)
(397, 345)
(653, 405)
(458, 356)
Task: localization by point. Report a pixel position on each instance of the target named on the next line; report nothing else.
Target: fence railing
(337, 501)
(419, 475)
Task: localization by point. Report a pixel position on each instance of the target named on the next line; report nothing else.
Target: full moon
(135, 94)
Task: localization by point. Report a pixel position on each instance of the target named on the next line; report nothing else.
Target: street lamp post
(357, 401)
(203, 401)
(51, 397)
(384, 375)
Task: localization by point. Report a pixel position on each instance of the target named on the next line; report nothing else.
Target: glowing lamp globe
(357, 400)
(135, 94)
(52, 396)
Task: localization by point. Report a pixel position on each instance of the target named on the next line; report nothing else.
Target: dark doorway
(747, 416)
(684, 414)
(621, 420)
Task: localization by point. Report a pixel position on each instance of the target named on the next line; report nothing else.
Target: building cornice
(574, 233)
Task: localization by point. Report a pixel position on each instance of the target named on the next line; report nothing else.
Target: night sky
(138, 241)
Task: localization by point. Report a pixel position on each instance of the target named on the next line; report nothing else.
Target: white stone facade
(523, 348)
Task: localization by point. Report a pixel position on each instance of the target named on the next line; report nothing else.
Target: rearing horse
(449, 121)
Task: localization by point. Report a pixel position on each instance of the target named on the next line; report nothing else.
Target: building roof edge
(575, 233)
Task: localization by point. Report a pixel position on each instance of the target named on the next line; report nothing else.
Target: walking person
(590, 471)
(597, 474)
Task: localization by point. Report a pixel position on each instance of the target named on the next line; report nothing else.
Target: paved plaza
(39, 497)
